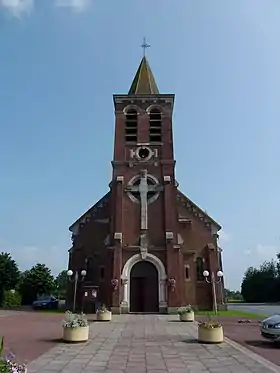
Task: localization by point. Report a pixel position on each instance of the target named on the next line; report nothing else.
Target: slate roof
(144, 81)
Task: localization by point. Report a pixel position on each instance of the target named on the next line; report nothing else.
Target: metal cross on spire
(145, 46)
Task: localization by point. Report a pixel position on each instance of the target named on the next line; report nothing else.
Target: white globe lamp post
(211, 279)
(78, 277)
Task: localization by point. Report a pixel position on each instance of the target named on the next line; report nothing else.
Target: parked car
(270, 328)
(46, 302)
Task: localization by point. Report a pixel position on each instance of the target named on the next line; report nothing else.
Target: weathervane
(145, 46)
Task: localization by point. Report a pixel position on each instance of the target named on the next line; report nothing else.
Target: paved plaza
(150, 344)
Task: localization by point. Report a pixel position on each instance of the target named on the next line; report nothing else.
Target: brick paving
(29, 334)
(148, 344)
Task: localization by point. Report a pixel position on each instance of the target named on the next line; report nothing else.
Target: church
(144, 244)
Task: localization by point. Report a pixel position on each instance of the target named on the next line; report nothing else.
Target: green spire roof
(144, 81)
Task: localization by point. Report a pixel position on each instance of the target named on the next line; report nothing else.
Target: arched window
(101, 272)
(187, 272)
(199, 269)
(131, 125)
(155, 125)
(89, 268)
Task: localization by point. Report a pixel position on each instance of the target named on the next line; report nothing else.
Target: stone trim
(118, 236)
(132, 106)
(169, 236)
(167, 178)
(125, 277)
(120, 179)
(197, 212)
(155, 105)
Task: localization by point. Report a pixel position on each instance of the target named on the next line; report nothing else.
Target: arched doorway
(144, 296)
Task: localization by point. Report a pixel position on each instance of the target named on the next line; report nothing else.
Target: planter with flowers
(75, 327)
(186, 313)
(103, 314)
(8, 364)
(210, 332)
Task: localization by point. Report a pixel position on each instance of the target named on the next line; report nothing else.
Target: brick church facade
(144, 244)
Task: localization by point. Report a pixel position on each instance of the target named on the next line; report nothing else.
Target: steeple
(144, 81)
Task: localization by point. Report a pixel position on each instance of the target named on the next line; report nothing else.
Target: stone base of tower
(116, 310)
(172, 310)
(124, 309)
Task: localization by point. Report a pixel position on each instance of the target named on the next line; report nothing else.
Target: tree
(9, 274)
(260, 285)
(278, 265)
(232, 295)
(36, 282)
(61, 283)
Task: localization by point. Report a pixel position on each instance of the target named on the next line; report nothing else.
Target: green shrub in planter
(75, 327)
(186, 313)
(210, 332)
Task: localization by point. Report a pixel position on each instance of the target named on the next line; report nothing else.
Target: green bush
(5, 367)
(11, 299)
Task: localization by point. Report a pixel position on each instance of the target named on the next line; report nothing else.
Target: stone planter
(79, 334)
(210, 335)
(187, 316)
(104, 316)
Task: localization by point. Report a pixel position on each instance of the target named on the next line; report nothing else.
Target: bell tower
(144, 189)
(145, 245)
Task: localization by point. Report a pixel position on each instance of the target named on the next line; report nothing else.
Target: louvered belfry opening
(131, 126)
(155, 125)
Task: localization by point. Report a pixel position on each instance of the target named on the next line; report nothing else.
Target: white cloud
(17, 7)
(248, 252)
(263, 252)
(224, 237)
(78, 5)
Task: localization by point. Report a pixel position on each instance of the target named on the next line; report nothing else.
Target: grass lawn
(231, 313)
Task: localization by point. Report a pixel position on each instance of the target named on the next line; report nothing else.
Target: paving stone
(136, 370)
(146, 344)
(97, 364)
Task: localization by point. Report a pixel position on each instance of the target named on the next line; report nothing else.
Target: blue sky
(61, 61)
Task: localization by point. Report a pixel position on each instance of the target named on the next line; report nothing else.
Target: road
(260, 309)
(29, 334)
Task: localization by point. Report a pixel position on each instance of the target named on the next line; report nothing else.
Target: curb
(259, 359)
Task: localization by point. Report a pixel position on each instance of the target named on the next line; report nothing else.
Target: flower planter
(104, 316)
(210, 335)
(187, 316)
(79, 334)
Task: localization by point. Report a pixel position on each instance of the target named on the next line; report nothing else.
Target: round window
(143, 153)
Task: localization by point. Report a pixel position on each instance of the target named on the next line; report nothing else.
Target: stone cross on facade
(143, 191)
(143, 188)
